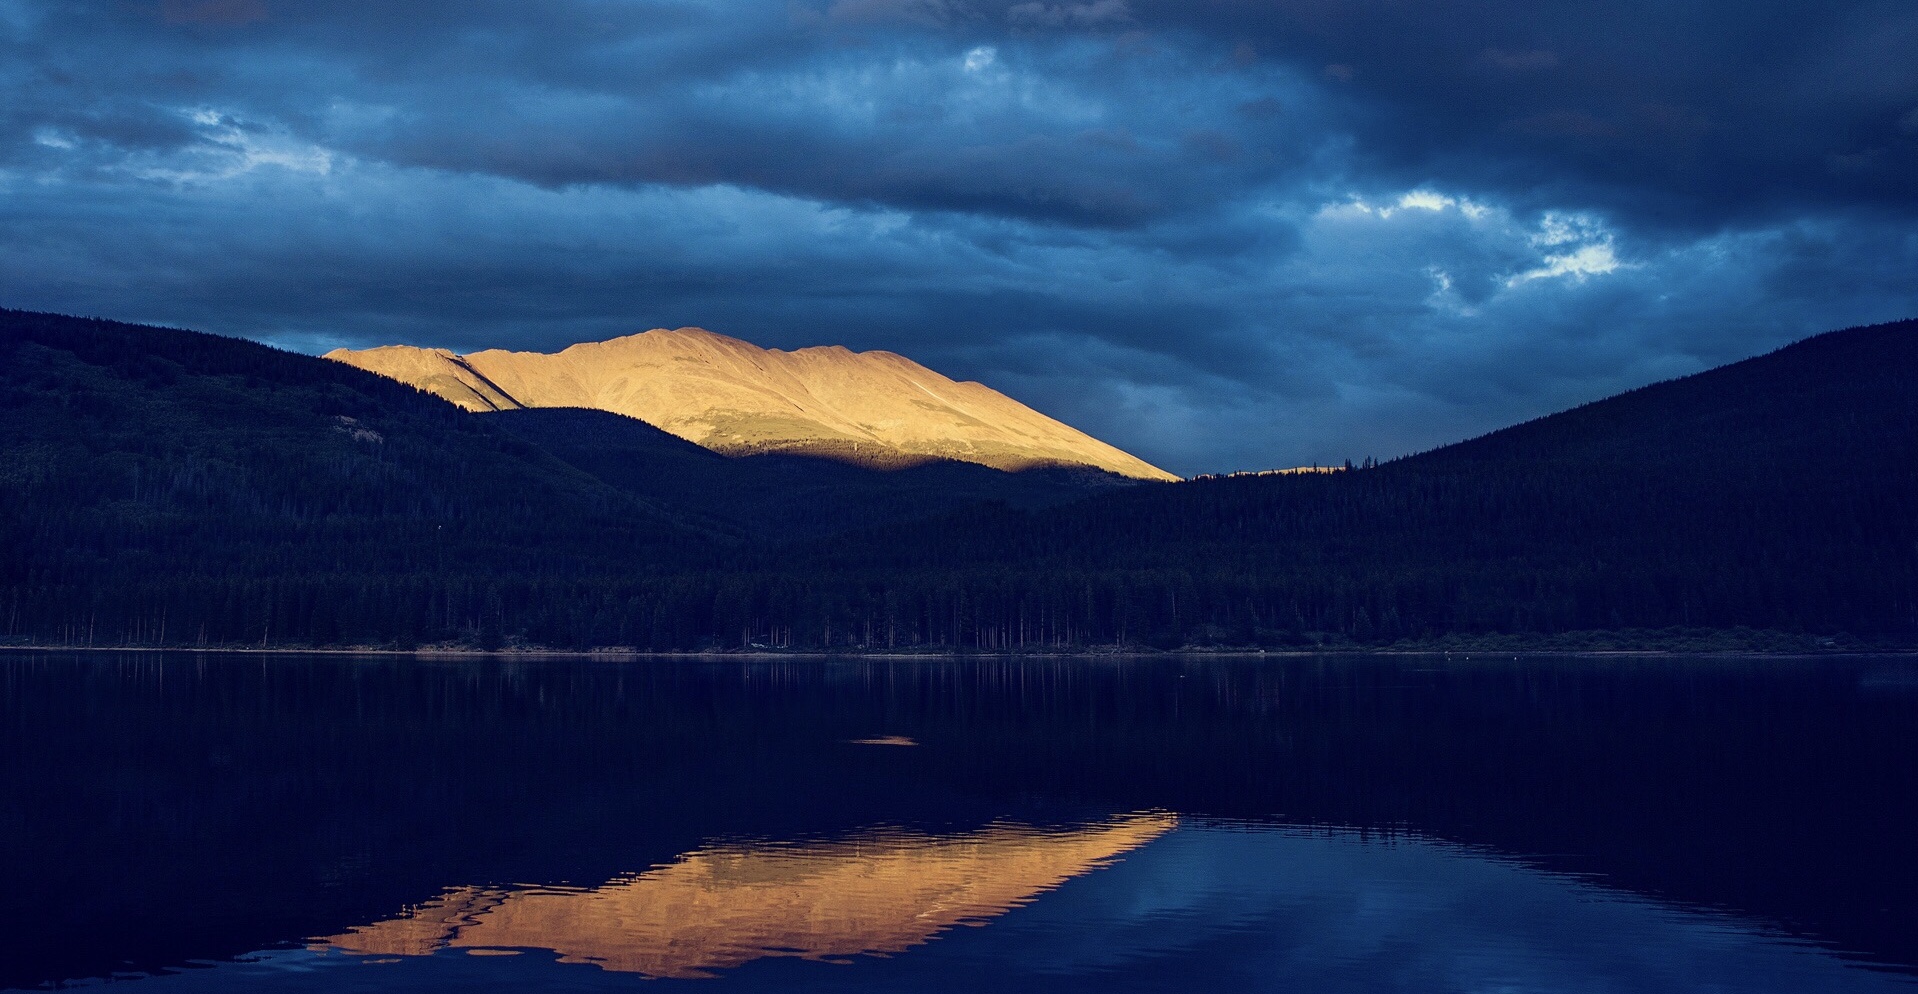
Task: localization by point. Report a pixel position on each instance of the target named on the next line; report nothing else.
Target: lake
(200, 822)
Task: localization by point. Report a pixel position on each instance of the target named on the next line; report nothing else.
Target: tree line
(166, 488)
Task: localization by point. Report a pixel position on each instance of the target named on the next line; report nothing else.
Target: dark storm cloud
(1220, 234)
(1673, 113)
(816, 102)
(1691, 113)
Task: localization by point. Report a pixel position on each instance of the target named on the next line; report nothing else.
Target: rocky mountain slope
(869, 408)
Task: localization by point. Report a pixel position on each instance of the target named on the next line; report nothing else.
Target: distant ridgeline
(876, 409)
(165, 487)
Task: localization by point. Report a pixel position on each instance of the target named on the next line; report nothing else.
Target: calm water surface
(176, 823)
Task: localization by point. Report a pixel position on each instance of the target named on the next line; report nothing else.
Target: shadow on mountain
(776, 497)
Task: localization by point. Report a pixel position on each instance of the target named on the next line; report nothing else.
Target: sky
(1221, 234)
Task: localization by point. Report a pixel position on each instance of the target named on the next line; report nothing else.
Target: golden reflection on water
(723, 905)
(885, 740)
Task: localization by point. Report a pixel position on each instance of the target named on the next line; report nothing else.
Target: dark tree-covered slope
(1780, 492)
(159, 479)
(162, 486)
(783, 497)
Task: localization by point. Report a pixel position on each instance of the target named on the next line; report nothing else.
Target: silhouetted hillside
(163, 486)
(1780, 492)
(782, 497)
(159, 480)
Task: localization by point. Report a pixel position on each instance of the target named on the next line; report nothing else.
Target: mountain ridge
(876, 408)
(167, 488)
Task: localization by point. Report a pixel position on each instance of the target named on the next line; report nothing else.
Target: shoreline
(1082, 654)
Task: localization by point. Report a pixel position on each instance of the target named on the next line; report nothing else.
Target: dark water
(224, 823)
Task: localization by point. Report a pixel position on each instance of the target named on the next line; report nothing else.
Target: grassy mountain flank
(875, 409)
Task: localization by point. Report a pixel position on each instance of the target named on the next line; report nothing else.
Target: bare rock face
(871, 408)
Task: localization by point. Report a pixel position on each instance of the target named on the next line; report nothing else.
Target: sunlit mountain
(870, 408)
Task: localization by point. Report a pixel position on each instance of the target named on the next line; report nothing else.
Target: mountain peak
(872, 408)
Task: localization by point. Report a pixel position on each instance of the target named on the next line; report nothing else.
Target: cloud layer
(1220, 234)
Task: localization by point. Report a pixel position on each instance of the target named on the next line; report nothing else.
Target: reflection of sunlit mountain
(724, 905)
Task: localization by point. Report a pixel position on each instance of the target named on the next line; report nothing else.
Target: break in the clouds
(1220, 234)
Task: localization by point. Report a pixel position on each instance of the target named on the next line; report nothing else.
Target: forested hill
(1821, 434)
(168, 486)
(157, 481)
(1780, 492)
(164, 487)
(1833, 401)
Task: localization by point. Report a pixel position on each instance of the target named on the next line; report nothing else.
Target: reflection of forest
(721, 906)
